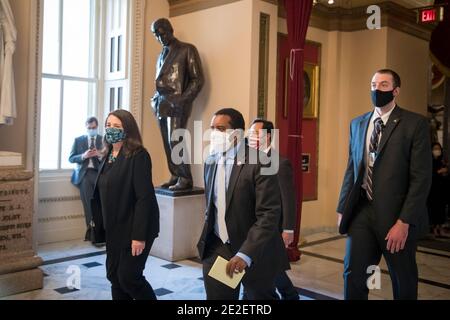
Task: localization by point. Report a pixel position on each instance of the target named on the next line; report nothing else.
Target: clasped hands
(90, 153)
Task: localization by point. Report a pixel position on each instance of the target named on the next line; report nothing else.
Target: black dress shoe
(182, 184)
(170, 183)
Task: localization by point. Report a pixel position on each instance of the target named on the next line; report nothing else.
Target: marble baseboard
(23, 281)
(56, 235)
(306, 232)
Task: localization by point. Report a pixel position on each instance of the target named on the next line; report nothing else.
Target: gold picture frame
(311, 91)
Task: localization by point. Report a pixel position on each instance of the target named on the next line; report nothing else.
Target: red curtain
(298, 13)
(439, 43)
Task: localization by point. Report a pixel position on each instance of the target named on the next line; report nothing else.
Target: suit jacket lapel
(239, 160)
(169, 59)
(393, 121)
(363, 127)
(85, 143)
(235, 172)
(158, 72)
(211, 173)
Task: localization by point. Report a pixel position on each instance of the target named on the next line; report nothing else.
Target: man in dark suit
(85, 153)
(242, 216)
(179, 79)
(260, 137)
(382, 205)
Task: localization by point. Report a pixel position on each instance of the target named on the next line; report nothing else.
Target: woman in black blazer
(124, 206)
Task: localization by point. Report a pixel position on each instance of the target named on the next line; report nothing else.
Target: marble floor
(317, 276)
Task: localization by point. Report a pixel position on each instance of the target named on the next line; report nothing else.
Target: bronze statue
(179, 79)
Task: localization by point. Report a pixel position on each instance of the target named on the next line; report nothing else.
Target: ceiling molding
(275, 2)
(354, 19)
(180, 7)
(329, 18)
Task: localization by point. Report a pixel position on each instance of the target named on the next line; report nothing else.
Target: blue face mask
(92, 132)
(114, 135)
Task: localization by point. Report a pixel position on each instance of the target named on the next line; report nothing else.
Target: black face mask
(381, 98)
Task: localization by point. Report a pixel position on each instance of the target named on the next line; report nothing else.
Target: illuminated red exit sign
(430, 14)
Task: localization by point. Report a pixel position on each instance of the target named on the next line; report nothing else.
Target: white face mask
(221, 141)
(259, 144)
(92, 132)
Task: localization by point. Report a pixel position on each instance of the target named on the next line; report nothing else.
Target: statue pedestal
(19, 264)
(181, 222)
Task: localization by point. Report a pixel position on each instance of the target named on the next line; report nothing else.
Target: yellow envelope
(218, 272)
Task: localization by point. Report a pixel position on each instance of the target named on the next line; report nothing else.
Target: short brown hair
(396, 81)
(91, 119)
(267, 125)
(133, 140)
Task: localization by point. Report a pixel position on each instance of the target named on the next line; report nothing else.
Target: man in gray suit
(243, 212)
(260, 138)
(85, 153)
(382, 205)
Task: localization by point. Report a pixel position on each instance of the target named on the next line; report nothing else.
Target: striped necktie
(92, 145)
(373, 149)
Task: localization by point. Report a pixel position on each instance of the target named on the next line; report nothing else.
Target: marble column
(19, 263)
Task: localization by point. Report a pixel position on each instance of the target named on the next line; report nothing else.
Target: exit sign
(429, 15)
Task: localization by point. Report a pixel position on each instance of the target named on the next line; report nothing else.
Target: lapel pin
(239, 163)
